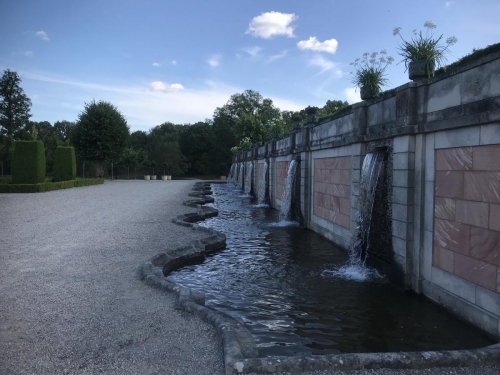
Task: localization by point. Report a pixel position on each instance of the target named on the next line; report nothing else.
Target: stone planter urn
(420, 69)
(153, 177)
(368, 93)
(146, 177)
(297, 125)
(223, 178)
(311, 119)
(169, 177)
(164, 178)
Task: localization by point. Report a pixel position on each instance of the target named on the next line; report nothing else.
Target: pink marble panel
(451, 159)
(442, 258)
(452, 235)
(473, 213)
(495, 216)
(486, 158)
(343, 191)
(476, 271)
(485, 245)
(449, 184)
(482, 186)
(444, 208)
(498, 280)
(345, 206)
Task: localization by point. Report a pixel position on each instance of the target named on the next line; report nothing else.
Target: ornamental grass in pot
(370, 73)
(423, 54)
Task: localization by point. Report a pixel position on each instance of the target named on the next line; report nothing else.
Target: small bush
(28, 162)
(88, 181)
(64, 164)
(5, 180)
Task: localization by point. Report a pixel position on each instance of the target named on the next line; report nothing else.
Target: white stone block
(429, 156)
(444, 94)
(454, 284)
(458, 137)
(402, 212)
(404, 144)
(426, 250)
(490, 134)
(358, 149)
(488, 300)
(429, 206)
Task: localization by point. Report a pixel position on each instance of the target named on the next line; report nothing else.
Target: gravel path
(70, 299)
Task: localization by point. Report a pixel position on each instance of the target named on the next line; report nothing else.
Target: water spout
(240, 176)
(286, 199)
(248, 180)
(263, 186)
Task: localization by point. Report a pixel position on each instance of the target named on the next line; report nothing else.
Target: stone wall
(443, 139)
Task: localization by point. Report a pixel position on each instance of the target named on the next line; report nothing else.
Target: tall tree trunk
(2, 167)
(135, 177)
(99, 169)
(128, 172)
(83, 170)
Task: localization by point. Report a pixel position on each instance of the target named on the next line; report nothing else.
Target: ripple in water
(273, 280)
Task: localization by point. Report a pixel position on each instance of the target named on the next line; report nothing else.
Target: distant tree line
(101, 135)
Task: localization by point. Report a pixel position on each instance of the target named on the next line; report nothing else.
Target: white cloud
(449, 4)
(270, 24)
(252, 51)
(28, 53)
(277, 56)
(174, 62)
(214, 60)
(156, 64)
(325, 65)
(314, 44)
(165, 87)
(42, 34)
(142, 107)
(352, 95)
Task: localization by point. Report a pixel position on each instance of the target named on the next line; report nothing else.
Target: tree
(63, 130)
(100, 134)
(129, 158)
(196, 143)
(331, 107)
(14, 105)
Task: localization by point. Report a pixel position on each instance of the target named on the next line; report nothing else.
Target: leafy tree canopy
(14, 104)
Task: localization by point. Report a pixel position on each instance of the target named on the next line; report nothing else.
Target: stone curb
(240, 352)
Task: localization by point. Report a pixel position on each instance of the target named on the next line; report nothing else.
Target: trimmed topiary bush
(49, 186)
(28, 162)
(64, 164)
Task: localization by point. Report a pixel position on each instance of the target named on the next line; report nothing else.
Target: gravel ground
(70, 300)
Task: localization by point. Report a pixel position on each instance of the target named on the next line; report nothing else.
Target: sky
(164, 60)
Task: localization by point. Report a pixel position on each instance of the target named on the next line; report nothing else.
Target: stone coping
(240, 351)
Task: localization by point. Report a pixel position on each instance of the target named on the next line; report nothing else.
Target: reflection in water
(270, 278)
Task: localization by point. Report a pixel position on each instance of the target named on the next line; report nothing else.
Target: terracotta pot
(147, 177)
(420, 69)
(367, 93)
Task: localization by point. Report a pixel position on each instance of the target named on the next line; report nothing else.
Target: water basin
(272, 278)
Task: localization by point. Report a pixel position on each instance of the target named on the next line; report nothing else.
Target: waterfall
(359, 246)
(248, 180)
(240, 176)
(286, 199)
(263, 185)
(231, 173)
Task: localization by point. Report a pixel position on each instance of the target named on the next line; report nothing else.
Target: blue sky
(160, 60)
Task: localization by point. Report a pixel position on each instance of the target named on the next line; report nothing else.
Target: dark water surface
(270, 278)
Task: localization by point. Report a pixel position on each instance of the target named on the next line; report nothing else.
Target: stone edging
(240, 352)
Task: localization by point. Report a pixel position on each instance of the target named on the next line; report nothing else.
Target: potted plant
(370, 73)
(422, 55)
(147, 165)
(153, 165)
(311, 112)
(296, 122)
(164, 175)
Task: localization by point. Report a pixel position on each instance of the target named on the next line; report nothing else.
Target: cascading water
(286, 199)
(240, 176)
(262, 186)
(358, 248)
(231, 173)
(248, 180)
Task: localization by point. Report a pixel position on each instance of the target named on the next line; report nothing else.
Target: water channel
(272, 279)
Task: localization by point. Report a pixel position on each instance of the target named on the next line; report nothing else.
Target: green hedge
(28, 162)
(5, 180)
(49, 186)
(64, 164)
